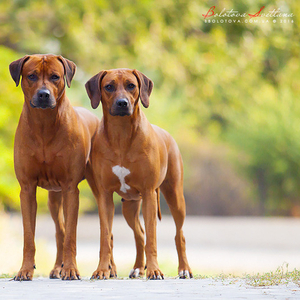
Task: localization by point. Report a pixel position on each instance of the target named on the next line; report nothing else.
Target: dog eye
(54, 77)
(109, 87)
(130, 86)
(32, 77)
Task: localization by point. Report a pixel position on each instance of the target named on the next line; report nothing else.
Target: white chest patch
(122, 172)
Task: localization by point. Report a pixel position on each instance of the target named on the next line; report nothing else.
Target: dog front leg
(28, 209)
(70, 208)
(106, 214)
(149, 209)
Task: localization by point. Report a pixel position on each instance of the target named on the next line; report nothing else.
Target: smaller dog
(52, 147)
(135, 159)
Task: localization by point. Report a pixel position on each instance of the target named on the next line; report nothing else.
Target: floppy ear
(70, 69)
(145, 85)
(93, 88)
(15, 68)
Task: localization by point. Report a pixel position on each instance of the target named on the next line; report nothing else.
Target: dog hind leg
(131, 210)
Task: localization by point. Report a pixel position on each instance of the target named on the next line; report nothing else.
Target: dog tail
(158, 204)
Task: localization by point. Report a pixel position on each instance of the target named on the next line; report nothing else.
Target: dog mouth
(42, 106)
(120, 112)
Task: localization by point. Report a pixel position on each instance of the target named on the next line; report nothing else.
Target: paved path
(41, 288)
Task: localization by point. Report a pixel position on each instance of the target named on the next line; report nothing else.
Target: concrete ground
(42, 288)
(214, 246)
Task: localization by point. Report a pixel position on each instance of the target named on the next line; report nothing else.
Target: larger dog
(52, 147)
(135, 159)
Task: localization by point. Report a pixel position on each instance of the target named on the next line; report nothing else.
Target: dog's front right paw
(55, 273)
(70, 274)
(24, 274)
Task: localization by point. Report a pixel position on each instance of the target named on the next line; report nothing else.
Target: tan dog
(135, 159)
(52, 147)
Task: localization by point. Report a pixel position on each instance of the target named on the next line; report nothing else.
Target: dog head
(119, 90)
(43, 78)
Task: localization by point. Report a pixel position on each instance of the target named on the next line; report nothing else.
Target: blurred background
(227, 92)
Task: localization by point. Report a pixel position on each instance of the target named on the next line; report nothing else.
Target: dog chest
(121, 173)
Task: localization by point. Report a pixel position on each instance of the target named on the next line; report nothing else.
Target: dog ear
(70, 69)
(15, 68)
(93, 88)
(145, 85)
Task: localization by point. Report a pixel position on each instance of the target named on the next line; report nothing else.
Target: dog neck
(45, 122)
(121, 131)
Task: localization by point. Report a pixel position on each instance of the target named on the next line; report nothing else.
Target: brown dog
(135, 159)
(52, 147)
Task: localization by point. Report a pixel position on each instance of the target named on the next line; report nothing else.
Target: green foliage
(269, 134)
(235, 85)
(11, 102)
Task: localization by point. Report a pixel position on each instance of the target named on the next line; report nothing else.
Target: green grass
(281, 276)
(5, 276)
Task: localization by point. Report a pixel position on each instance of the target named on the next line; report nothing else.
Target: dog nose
(43, 94)
(122, 103)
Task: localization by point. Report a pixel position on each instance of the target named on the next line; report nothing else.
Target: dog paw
(135, 273)
(155, 274)
(69, 274)
(24, 275)
(185, 274)
(101, 274)
(55, 273)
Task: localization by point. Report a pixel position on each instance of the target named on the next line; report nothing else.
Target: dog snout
(121, 107)
(122, 103)
(43, 99)
(43, 95)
